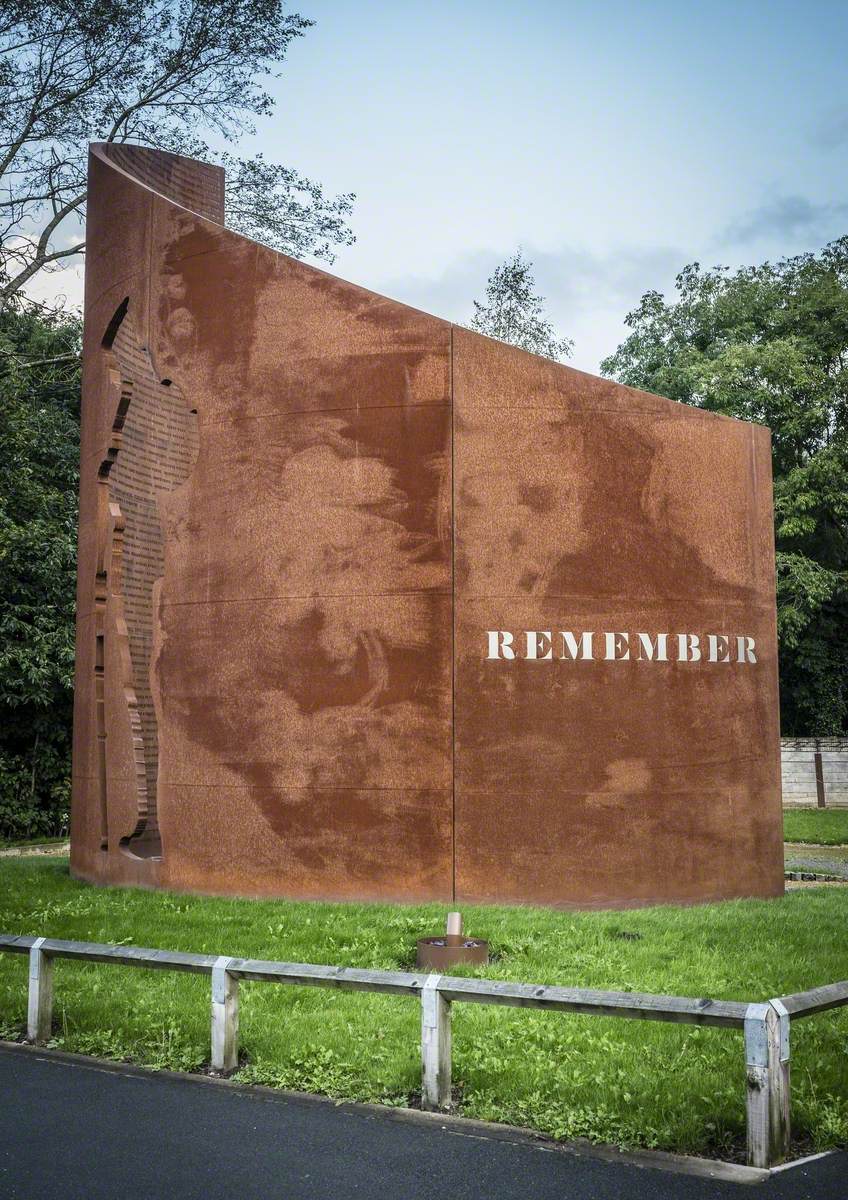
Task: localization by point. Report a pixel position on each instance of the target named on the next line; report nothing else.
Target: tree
(769, 343)
(39, 456)
(512, 312)
(160, 72)
(166, 73)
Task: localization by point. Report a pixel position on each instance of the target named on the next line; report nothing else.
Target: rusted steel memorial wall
(373, 607)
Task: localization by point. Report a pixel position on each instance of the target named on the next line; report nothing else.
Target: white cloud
(786, 216)
(587, 294)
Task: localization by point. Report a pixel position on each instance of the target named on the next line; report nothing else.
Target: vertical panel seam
(453, 624)
(151, 220)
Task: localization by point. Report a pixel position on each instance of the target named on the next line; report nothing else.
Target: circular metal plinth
(439, 953)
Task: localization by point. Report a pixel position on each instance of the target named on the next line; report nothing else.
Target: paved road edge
(657, 1160)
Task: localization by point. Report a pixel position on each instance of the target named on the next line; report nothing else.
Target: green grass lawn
(631, 1082)
(824, 826)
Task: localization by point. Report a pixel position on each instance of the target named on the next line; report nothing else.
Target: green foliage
(630, 1082)
(39, 454)
(183, 76)
(770, 344)
(513, 313)
(820, 826)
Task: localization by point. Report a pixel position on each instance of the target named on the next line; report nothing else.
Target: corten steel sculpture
(371, 606)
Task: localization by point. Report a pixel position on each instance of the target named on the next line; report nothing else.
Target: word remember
(545, 646)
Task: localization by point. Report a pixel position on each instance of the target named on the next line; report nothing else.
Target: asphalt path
(72, 1130)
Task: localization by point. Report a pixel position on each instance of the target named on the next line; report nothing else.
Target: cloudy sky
(614, 142)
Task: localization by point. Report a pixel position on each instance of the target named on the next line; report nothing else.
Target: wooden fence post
(767, 1070)
(780, 1113)
(435, 1046)
(821, 795)
(224, 1018)
(40, 996)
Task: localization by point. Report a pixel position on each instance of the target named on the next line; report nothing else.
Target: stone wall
(798, 770)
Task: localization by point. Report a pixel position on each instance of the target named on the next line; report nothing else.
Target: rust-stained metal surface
(305, 507)
(584, 506)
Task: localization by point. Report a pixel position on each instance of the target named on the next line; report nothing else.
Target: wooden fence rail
(765, 1025)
